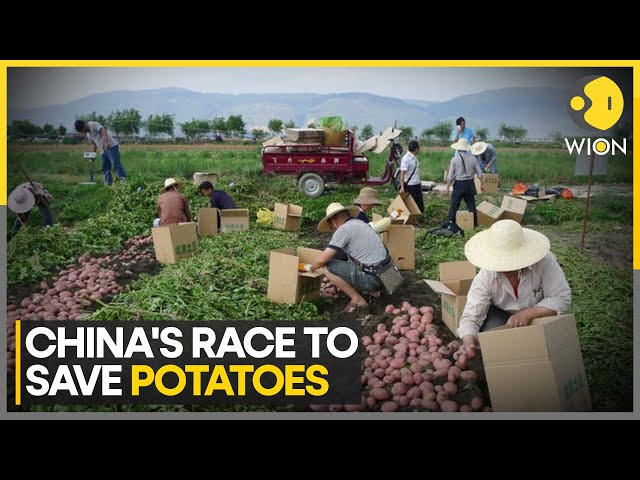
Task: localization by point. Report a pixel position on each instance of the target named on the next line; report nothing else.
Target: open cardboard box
(208, 222)
(488, 213)
(410, 211)
(537, 368)
(286, 283)
(491, 181)
(454, 284)
(175, 242)
(287, 216)
(514, 208)
(234, 220)
(401, 243)
(464, 220)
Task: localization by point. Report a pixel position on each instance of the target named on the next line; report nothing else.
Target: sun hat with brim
(506, 247)
(367, 196)
(334, 209)
(478, 148)
(21, 200)
(461, 144)
(170, 182)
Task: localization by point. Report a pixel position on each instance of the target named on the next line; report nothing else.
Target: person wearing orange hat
(172, 206)
(519, 280)
(23, 198)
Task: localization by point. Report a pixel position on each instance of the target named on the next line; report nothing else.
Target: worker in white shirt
(519, 280)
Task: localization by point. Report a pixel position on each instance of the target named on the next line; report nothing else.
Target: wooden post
(586, 210)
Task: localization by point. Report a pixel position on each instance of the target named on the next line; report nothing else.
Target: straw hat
(461, 144)
(21, 200)
(170, 182)
(334, 209)
(367, 196)
(506, 247)
(478, 148)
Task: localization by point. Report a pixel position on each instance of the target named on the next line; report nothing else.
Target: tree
(407, 133)
(512, 133)
(482, 134)
(556, 137)
(23, 128)
(427, 135)
(235, 124)
(367, 132)
(49, 130)
(125, 122)
(93, 116)
(259, 134)
(290, 124)
(62, 130)
(311, 125)
(218, 123)
(442, 131)
(158, 125)
(195, 128)
(275, 125)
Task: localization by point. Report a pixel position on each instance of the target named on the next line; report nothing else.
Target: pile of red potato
(410, 368)
(328, 289)
(78, 287)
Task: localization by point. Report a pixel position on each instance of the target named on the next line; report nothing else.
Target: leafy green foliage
(158, 125)
(275, 125)
(366, 132)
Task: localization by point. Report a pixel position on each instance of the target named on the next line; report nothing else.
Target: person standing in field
(462, 131)
(23, 198)
(461, 169)
(410, 174)
(172, 206)
(519, 280)
(486, 155)
(109, 148)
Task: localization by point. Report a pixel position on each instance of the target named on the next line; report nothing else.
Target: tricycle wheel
(311, 184)
(396, 179)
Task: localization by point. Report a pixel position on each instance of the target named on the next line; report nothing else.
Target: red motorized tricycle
(315, 164)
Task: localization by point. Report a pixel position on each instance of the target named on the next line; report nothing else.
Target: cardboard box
(513, 208)
(287, 216)
(286, 283)
(491, 181)
(208, 222)
(175, 242)
(464, 220)
(537, 368)
(488, 213)
(410, 211)
(455, 280)
(401, 242)
(200, 177)
(234, 220)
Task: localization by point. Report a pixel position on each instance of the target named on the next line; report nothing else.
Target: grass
(227, 279)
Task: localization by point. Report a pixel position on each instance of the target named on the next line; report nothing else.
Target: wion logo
(596, 103)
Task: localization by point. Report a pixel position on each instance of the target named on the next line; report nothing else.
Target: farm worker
(462, 131)
(217, 198)
(461, 169)
(519, 280)
(367, 199)
(364, 249)
(486, 156)
(410, 174)
(109, 148)
(172, 206)
(23, 198)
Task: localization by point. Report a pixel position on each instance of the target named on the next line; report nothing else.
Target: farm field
(227, 279)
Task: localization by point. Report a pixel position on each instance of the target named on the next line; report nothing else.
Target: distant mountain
(541, 109)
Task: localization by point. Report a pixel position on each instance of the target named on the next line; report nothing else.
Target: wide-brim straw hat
(21, 199)
(478, 148)
(334, 209)
(506, 247)
(367, 196)
(170, 182)
(461, 144)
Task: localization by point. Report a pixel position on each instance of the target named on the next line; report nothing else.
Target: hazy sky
(36, 87)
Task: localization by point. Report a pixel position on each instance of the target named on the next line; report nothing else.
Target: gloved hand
(304, 267)
(396, 213)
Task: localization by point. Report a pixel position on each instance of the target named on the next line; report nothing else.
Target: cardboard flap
(561, 333)
(514, 345)
(490, 210)
(382, 141)
(439, 287)
(235, 212)
(315, 274)
(308, 255)
(294, 210)
(514, 204)
(208, 221)
(457, 270)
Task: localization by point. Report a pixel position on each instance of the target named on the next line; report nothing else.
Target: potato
(477, 403)
(336, 408)
(379, 372)
(356, 407)
(441, 363)
(379, 393)
(416, 368)
(399, 389)
(403, 401)
(414, 392)
(396, 311)
(391, 340)
(415, 402)
(381, 327)
(424, 310)
(408, 379)
(466, 408)
(366, 341)
(389, 308)
(469, 376)
(441, 373)
(462, 361)
(442, 397)
(389, 407)
(426, 386)
(413, 311)
(450, 388)
(449, 406)
(429, 405)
